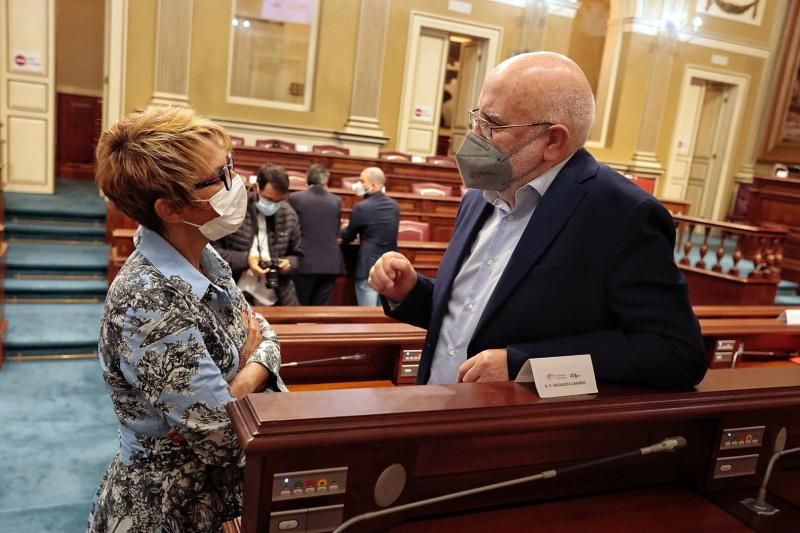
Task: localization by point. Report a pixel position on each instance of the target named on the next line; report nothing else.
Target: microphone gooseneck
(667, 445)
(354, 357)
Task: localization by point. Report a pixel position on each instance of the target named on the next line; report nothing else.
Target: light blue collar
(170, 262)
(540, 184)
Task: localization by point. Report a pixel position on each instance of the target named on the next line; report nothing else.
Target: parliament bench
(391, 350)
(392, 446)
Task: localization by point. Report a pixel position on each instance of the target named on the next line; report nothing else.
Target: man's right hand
(393, 276)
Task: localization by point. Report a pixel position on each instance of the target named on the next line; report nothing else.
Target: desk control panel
(738, 438)
(309, 483)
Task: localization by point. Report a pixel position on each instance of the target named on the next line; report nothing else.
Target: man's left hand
(284, 265)
(488, 365)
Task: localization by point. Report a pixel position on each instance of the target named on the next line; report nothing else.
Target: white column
(371, 47)
(173, 53)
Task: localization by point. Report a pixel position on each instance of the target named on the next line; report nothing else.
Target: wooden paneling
(456, 437)
(776, 202)
(78, 128)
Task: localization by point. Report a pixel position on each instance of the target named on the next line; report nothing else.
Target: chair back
(411, 230)
(330, 149)
(441, 160)
(348, 181)
(237, 141)
(395, 156)
(741, 202)
(275, 144)
(431, 189)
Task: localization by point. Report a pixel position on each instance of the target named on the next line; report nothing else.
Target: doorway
(445, 65)
(706, 129)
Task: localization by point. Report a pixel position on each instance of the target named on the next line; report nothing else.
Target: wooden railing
(710, 254)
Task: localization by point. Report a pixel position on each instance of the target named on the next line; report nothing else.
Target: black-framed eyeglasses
(225, 176)
(486, 128)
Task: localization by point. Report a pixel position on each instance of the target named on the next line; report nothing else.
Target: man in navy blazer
(320, 215)
(375, 221)
(556, 255)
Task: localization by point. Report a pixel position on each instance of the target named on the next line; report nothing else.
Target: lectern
(315, 459)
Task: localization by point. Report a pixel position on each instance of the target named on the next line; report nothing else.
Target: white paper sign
(567, 375)
(423, 113)
(27, 62)
(791, 317)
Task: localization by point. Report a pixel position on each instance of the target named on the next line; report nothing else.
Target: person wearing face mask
(267, 249)
(178, 341)
(375, 220)
(552, 253)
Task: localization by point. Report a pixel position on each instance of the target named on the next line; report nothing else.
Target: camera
(273, 272)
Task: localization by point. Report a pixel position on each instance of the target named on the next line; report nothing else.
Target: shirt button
(471, 307)
(451, 352)
(490, 262)
(510, 217)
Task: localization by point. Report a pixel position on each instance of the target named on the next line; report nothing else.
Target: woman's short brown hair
(154, 154)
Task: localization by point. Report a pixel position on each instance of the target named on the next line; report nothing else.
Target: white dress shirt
(481, 271)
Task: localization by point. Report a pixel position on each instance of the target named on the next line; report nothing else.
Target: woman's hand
(284, 265)
(254, 337)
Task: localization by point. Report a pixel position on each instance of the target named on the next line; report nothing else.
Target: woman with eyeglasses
(177, 339)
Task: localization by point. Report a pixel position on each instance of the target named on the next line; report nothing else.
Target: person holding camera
(266, 250)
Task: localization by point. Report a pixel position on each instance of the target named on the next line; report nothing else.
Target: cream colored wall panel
(26, 96)
(27, 29)
(419, 140)
(29, 150)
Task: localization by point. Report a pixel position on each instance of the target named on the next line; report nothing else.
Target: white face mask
(231, 206)
(359, 189)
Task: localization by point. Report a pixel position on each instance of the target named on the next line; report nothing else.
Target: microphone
(667, 445)
(355, 357)
(759, 504)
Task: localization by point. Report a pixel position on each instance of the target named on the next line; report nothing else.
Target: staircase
(56, 266)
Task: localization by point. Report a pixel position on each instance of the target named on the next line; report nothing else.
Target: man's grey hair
(317, 175)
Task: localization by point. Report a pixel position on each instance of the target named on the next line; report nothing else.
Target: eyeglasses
(225, 176)
(486, 128)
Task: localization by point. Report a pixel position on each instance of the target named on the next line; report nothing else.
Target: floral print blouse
(170, 340)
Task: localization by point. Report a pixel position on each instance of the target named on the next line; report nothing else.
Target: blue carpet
(57, 441)
(50, 326)
(56, 288)
(25, 228)
(73, 198)
(57, 256)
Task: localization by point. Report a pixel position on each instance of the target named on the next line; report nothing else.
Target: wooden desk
(450, 438)
(400, 175)
(364, 315)
(726, 338)
(389, 350)
(392, 349)
(776, 201)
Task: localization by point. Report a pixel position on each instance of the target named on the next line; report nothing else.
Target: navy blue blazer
(593, 273)
(375, 219)
(320, 215)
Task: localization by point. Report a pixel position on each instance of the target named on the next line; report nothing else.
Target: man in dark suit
(375, 219)
(554, 254)
(320, 215)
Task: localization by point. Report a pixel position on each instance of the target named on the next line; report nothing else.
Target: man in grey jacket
(284, 243)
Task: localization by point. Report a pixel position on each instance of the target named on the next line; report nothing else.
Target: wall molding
(652, 27)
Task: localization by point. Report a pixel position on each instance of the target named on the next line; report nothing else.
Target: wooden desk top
(471, 408)
(663, 509)
(746, 326)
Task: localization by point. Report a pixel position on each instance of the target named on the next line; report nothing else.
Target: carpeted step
(74, 199)
(787, 299)
(34, 229)
(57, 257)
(55, 289)
(52, 329)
